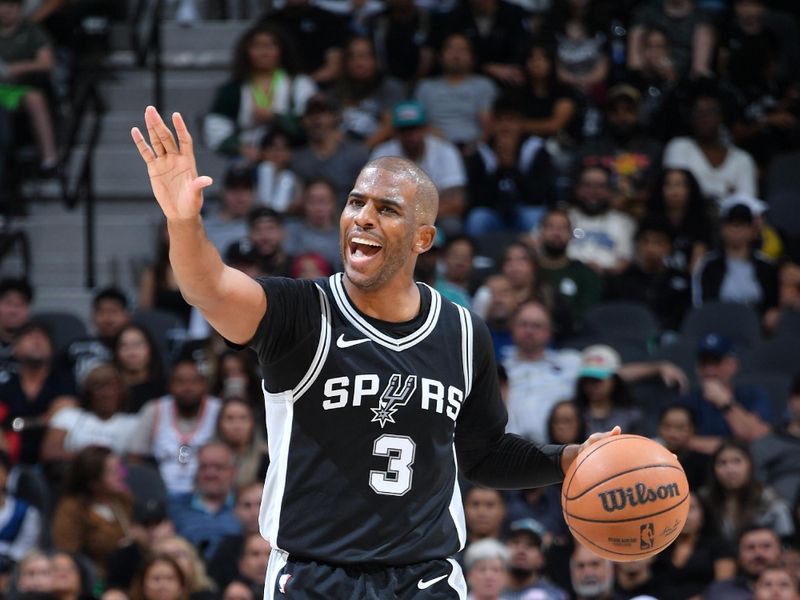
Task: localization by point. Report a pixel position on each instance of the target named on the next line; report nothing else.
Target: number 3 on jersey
(396, 479)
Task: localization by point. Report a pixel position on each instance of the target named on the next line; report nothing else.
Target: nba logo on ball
(625, 498)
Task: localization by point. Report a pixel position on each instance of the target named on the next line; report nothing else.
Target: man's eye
(388, 210)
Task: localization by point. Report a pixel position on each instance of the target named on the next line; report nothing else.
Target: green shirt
(578, 284)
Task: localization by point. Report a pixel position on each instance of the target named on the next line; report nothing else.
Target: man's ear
(426, 235)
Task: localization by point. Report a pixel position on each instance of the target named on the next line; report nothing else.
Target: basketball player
(376, 389)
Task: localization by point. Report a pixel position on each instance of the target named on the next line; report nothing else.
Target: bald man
(377, 390)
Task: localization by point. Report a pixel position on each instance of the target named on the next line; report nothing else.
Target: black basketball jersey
(361, 418)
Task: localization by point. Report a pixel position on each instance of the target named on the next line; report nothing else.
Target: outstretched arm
(232, 302)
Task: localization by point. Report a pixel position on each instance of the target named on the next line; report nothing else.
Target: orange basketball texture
(625, 498)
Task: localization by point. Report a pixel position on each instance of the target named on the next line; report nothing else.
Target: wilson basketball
(625, 498)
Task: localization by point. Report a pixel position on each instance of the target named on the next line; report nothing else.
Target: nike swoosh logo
(343, 343)
(424, 585)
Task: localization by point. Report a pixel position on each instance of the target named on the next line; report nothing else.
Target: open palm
(171, 166)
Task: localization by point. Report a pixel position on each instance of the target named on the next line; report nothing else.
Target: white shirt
(85, 428)
(30, 530)
(737, 173)
(441, 161)
(534, 387)
(601, 239)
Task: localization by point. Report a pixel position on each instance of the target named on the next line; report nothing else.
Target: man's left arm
(746, 422)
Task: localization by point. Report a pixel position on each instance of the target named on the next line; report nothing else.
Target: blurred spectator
(206, 515)
(27, 64)
(759, 550)
(625, 149)
(402, 35)
(547, 106)
(94, 515)
(739, 499)
(690, 33)
(453, 283)
(767, 240)
(253, 562)
(222, 565)
(776, 583)
(229, 222)
(318, 229)
(498, 311)
(603, 237)
(318, 35)
(695, 558)
(496, 31)
(737, 272)
(238, 590)
(158, 287)
(172, 428)
(98, 422)
(329, 154)
(160, 579)
(277, 187)
(775, 454)
(511, 178)
(140, 366)
(651, 280)
(635, 579)
(366, 94)
(581, 47)
(200, 587)
(602, 395)
(33, 394)
(458, 102)
(264, 92)
(527, 563)
(263, 244)
(16, 296)
(110, 313)
(538, 376)
(33, 574)
(486, 569)
(484, 509)
(237, 378)
(720, 167)
(677, 199)
(676, 428)
(437, 157)
(565, 424)
(236, 428)
(542, 505)
(720, 407)
(72, 579)
(577, 283)
(20, 523)
(592, 577)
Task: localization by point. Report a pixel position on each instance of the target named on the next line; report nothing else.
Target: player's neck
(395, 301)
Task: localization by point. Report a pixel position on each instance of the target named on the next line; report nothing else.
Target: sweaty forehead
(383, 183)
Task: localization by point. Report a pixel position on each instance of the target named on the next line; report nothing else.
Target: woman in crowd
(318, 230)
(33, 574)
(602, 395)
(565, 424)
(264, 91)
(695, 558)
(237, 378)
(582, 57)
(199, 585)
(98, 422)
(486, 565)
(236, 427)
(71, 578)
(366, 95)
(158, 287)
(94, 515)
(738, 498)
(677, 199)
(140, 367)
(161, 578)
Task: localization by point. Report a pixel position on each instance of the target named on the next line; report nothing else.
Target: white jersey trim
(277, 561)
(457, 507)
(397, 344)
(466, 348)
(279, 416)
(323, 346)
(456, 580)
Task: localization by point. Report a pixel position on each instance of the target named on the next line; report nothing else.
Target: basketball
(625, 498)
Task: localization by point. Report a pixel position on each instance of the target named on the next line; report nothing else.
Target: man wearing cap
(737, 273)
(626, 150)
(263, 245)
(720, 407)
(329, 153)
(229, 223)
(526, 567)
(768, 240)
(438, 158)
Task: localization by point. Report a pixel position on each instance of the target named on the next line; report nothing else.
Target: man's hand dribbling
(572, 451)
(171, 166)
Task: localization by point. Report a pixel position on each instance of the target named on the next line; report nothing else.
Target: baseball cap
(714, 345)
(624, 91)
(599, 362)
(738, 214)
(408, 114)
(239, 176)
(757, 207)
(530, 526)
(149, 511)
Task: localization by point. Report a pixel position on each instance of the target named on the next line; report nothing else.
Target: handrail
(146, 42)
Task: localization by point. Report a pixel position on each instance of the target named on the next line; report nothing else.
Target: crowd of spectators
(602, 176)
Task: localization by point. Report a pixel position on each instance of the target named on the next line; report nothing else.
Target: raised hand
(171, 166)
